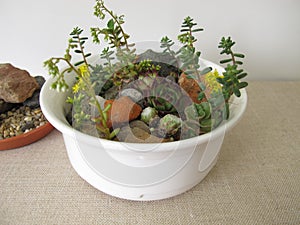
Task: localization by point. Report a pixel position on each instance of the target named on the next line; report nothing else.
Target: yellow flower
(210, 79)
(76, 87)
(217, 75)
(84, 70)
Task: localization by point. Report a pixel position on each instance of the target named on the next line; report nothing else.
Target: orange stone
(191, 86)
(122, 110)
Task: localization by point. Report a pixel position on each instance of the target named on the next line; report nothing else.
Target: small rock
(139, 124)
(139, 133)
(27, 118)
(16, 85)
(123, 110)
(40, 80)
(140, 136)
(132, 93)
(154, 122)
(159, 132)
(28, 125)
(191, 87)
(123, 133)
(37, 111)
(6, 134)
(33, 101)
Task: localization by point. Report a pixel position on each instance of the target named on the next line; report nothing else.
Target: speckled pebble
(19, 121)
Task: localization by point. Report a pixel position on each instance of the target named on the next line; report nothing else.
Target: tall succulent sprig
(166, 43)
(52, 64)
(230, 81)
(114, 32)
(76, 43)
(188, 54)
(118, 40)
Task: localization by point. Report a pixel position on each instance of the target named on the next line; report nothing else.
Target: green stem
(232, 57)
(93, 96)
(69, 64)
(191, 33)
(92, 92)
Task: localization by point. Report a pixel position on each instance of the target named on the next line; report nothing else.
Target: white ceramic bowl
(139, 171)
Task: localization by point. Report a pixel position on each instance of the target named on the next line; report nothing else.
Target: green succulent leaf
(225, 61)
(231, 77)
(242, 85)
(241, 76)
(239, 55)
(111, 24)
(78, 63)
(205, 70)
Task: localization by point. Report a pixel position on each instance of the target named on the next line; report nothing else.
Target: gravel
(20, 120)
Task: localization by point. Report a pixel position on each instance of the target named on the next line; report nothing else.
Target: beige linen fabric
(255, 181)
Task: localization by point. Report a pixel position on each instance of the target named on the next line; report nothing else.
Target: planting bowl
(139, 171)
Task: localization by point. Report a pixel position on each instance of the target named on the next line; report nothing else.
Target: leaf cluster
(187, 55)
(119, 45)
(113, 32)
(75, 44)
(230, 81)
(83, 84)
(186, 37)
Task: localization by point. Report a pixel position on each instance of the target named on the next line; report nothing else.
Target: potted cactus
(137, 121)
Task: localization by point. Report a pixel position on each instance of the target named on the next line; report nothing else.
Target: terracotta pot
(26, 138)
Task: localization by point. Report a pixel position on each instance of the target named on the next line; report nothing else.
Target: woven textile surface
(256, 179)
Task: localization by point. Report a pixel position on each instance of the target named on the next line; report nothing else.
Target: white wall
(267, 31)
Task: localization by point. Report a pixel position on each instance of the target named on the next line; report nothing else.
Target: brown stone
(123, 133)
(191, 87)
(139, 124)
(16, 85)
(137, 134)
(122, 110)
(141, 136)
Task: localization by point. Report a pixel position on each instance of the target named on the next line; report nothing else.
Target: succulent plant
(190, 125)
(148, 114)
(170, 124)
(210, 115)
(167, 97)
(167, 62)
